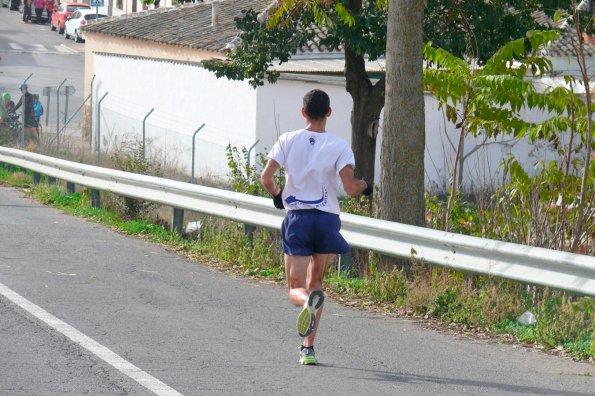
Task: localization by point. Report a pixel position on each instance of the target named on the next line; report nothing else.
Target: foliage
(131, 158)
(245, 177)
(257, 254)
(464, 216)
(492, 96)
(487, 101)
(541, 210)
(16, 177)
(477, 29)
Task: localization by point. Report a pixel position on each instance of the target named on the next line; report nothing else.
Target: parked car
(78, 19)
(63, 11)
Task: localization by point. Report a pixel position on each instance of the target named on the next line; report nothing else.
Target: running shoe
(307, 355)
(306, 320)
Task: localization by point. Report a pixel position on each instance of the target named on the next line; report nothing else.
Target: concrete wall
(183, 96)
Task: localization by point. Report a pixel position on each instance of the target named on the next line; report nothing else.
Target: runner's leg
(316, 269)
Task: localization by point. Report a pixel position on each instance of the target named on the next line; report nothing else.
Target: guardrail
(560, 270)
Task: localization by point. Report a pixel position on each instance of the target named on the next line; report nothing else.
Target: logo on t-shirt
(292, 200)
(312, 141)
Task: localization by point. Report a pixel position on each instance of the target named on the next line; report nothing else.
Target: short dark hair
(316, 104)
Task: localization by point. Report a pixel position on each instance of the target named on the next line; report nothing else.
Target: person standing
(30, 124)
(7, 102)
(38, 4)
(49, 6)
(314, 162)
(27, 10)
(38, 111)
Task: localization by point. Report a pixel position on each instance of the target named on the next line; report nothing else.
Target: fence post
(249, 228)
(67, 94)
(91, 114)
(47, 105)
(193, 154)
(70, 188)
(178, 221)
(144, 135)
(98, 146)
(36, 177)
(58, 118)
(249, 151)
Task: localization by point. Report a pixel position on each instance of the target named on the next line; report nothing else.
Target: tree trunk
(368, 100)
(403, 145)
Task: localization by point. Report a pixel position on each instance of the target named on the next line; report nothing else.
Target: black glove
(278, 200)
(369, 189)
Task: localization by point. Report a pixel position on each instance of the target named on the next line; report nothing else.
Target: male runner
(314, 162)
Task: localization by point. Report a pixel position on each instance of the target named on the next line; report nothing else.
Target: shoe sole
(306, 321)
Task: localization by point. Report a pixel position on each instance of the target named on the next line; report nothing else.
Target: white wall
(184, 96)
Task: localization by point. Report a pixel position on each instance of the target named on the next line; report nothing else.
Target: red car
(63, 11)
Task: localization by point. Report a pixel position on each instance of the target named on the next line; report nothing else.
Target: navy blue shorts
(311, 231)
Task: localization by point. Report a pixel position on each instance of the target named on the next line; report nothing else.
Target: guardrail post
(249, 231)
(70, 187)
(178, 221)
(346, 262)
(95, 201)
(36, 177)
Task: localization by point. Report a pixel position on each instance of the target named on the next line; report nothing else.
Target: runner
(314, 162)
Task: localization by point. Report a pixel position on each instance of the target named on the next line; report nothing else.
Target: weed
(130, 158)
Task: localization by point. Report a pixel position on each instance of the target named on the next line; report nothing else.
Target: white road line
(15, 46)
(122, 365)
(39, 47)
(63, 48)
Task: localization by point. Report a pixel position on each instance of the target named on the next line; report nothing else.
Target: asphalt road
(173, 325)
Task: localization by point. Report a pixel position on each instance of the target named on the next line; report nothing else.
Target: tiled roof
(563, 46)
(186, 26)
(190, 26)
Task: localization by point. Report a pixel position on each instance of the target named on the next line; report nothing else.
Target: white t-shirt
(312, 161)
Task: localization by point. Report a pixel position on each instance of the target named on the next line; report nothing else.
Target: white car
(78, 19)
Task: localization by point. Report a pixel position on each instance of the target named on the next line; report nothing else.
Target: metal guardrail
(560, 270)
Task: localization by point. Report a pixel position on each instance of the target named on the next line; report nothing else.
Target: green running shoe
(307, 355)
(306, 320)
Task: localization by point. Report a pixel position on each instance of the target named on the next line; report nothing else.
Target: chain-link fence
(58, 113)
